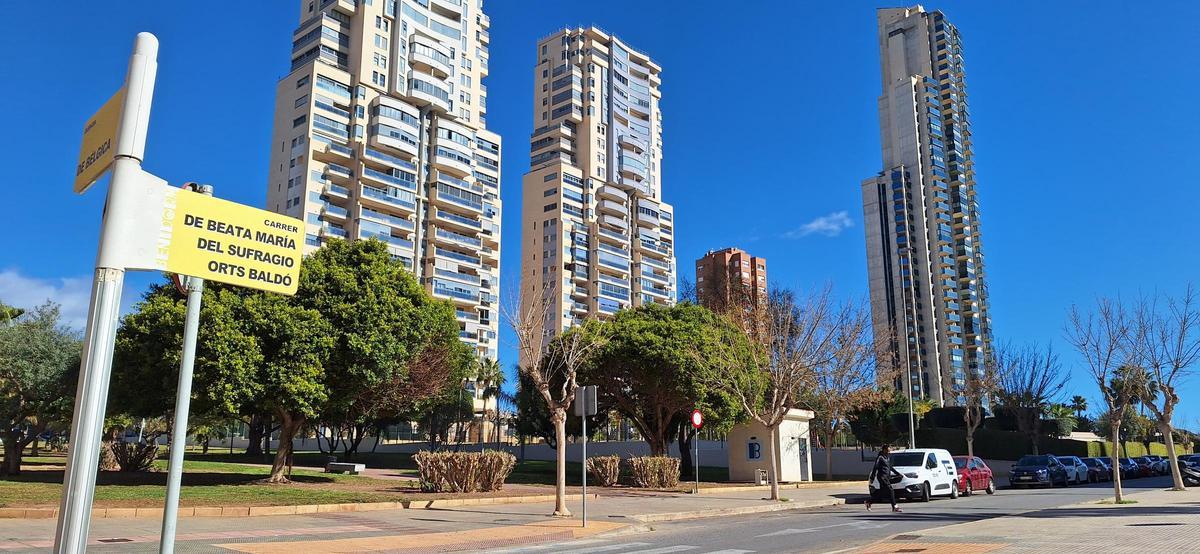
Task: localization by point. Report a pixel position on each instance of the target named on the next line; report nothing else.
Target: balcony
(338, 171)
(372, 195)
(444, 236)
(328, 231)
(331, 211)
(370, 174)
(612, 193)
(619, 222)
(338, 151)
(422, 89)
(428, 58)
(336, 191)
(632, 143)
(611, 207)
(401, 223)
(464, 277)
(458, 220)
(456, 256)
(398, 242)
(453, 162)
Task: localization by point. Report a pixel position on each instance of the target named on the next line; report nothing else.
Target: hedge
(463, 471)
(1009, 445)
(653, 472)
(605, 470)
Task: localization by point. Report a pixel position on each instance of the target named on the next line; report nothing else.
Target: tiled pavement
(1160, 521)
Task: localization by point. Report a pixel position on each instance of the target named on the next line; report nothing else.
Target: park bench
(344, 467)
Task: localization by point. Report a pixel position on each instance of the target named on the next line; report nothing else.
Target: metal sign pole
(183, 402)
(697, 439)
(79, 480)
(585, 466)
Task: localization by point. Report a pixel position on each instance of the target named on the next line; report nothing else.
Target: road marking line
(664, 550)
(730, 551)
(608, 548)
(544, 547)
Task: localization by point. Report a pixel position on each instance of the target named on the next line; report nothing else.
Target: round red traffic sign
(697, 419)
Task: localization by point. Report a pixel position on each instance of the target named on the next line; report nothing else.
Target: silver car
(1077, 471)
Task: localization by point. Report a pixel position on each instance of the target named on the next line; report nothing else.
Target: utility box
(749, 449)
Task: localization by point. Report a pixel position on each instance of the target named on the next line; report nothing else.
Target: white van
(927, 472)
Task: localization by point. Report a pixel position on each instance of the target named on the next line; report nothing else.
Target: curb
(700, 514)
(296, 509)
(782, 486)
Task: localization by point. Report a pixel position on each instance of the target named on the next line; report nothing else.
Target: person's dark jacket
(883, 470)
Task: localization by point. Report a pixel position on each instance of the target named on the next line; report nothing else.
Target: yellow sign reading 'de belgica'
(99, 142)
(231, 243)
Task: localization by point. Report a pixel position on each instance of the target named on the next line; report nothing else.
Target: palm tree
(491, 375)
(1079, 405)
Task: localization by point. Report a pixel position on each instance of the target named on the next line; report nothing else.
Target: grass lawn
(214, 483)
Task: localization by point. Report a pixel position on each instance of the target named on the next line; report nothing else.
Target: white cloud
(830, 225)
(71, 293)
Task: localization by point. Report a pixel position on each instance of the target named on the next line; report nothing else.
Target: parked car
(1130, 469)
(927, 473)
(1161, 465)
(1145, 466)
(973, 475)
(1098, 470)
(1190, 474)
(1038, 470)
(1077, 471)
(1190, 459)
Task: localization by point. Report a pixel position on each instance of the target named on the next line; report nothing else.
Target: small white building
(749, 450)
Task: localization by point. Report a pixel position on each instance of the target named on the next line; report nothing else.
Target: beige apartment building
(921, 213)
(597, 236)
(380, 132)
(727, 277)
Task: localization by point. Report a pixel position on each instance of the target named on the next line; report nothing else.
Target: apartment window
(299, 121)
(302, 81)
(550, 207)
(550, 192)
(383, 24)
(464, 80)
(381, 42)
(381, 61)
(302, 101)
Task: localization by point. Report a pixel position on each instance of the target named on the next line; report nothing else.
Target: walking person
(884, 473)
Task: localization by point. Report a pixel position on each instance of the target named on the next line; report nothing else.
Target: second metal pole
(584, 466)
(183, 403)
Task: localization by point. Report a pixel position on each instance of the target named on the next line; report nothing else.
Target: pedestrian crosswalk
(606, 546)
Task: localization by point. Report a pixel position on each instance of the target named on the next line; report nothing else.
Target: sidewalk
(1160, 521)
(428, 530)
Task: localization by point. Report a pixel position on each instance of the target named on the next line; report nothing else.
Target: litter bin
(760, 476)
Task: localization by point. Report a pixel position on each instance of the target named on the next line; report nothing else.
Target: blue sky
(1084, 120)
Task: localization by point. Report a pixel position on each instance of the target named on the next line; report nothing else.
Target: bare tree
(1030, 379)
(1167, 343)
(546, 358)
(978, 391)
(1101, 337)
(789, 339)
(847, 381)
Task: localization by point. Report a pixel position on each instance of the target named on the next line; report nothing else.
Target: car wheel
(925, 492)
(991, 488)
(953, 490)
(968, 492)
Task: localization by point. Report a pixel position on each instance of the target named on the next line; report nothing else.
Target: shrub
(132, 456)
(463, 471)
(605, 470)
(654, 472)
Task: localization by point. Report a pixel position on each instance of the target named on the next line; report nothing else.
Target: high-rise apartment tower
(380, 132)
(921, 212)
(596, 234)
(730, 278)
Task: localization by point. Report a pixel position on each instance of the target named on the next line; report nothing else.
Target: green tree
(1079, 405)
(655, 368)
(490, 374)
(39, 364)
(1063, 418)
(875, 423)
(381, 319)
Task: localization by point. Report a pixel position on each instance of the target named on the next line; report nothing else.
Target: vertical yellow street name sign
(99, 142)
(227, 242)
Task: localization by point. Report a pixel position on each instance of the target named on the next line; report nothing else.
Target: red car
(976, 475)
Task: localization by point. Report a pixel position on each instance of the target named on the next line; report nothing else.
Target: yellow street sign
(223, 241)
(99, 142)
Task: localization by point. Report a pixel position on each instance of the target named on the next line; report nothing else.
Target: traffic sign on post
(697, 419)
(697, 422)
(585, 401)
(99, 138)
